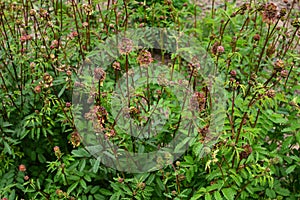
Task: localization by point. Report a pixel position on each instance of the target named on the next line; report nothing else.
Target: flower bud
(279, 64)
(120, 180)
(68, 104)
(284, 73)
(116, 66)
(256, 37)
(233, 73)
(37, 89)
(141, 185)
(22, 168)
(56, 149)
(271, 93)
(220, 49)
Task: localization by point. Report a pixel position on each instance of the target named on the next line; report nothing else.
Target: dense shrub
(44, 46)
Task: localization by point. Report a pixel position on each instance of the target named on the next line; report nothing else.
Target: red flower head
(22, 168)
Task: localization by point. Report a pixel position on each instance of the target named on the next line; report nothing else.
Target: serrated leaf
(282, 191)
(189, 174)
(83, 184)
(7, 148)
(270, 193)
(96, 165)
(229, 193)
(150, 179)
(73, 178)
(217, 195)
(189, 159)
(287, 142)
(87, 178)
(82, 165)
(213, 187)
(290, 169)
(115, 196)
(207, 196)
(99, 197)
(62, 91)
(95, 189)
(105, 192)
(80, 153)
(160, 183)
(196, 196)
(236, 180)
(72, 187)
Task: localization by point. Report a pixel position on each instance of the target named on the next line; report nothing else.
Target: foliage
(255, 48)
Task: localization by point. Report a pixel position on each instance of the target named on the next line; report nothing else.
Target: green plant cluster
(254, 47)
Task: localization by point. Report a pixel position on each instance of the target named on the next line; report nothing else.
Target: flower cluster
(54, 44)
(279, 65)
(48, 80)
(247, 151)
(217, 48)
(125, 46)
(25, 38)
(144, 58)
(44, 13)
(194, 66)
(270, 13)
(88, 9)
(271, 93)
(197, 101)
(73, 35)
(98, 116)
(116, 65)
(75, 139)
(99, 75)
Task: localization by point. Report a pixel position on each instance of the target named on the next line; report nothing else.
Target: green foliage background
(44, 42)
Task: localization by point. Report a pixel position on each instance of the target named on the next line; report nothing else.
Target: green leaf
(12, 195)
(96, 165)
(115, 196)
(82, 165)
(287, 142)
(290, 169)
(236, 180)
(185, 193)
(83, 184)
(282, 191)
(270, 193)
(87, 178)
(189, 159)
(217, 195)
(215, 186)
(95, 189)
(160, 183)
(80, 153)
(99, 197)
(105, 192)
(196, 196)
(189, 174)
(207, 196)
(72, 187)
(73, 177)
(7, 148)
(229, 193)
(150, 179)
(41, 158)
(62, 91)
(298, 137)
